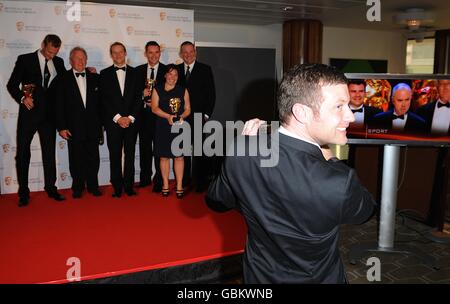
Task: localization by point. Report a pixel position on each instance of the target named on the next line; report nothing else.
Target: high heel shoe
(165, 192)
(179, 193)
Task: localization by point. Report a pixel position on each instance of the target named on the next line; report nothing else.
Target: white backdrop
(23, 25)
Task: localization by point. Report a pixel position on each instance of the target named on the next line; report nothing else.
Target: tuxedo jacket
(201, 88)
(414, 123)
(27, 70)
(292, 209)
(369, 113)
(111, 97)
(427, 112)
(82, 121)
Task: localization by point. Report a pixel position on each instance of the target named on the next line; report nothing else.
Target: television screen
(408, 109)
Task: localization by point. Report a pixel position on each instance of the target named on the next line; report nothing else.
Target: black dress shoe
(130, 192)
(76, 194)
(23, 201)
(144, 184)
(95, 192)
(117, 194)
(157, 188)
(56, 196)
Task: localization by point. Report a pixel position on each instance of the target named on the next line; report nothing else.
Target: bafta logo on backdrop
(20, 26)
(63, 176)
(6, 148)
(2, 43)
(178, 32)
(58, 10)
(77, 28)
(130, 30)
(112, 13)
(5, 113)
(162, 15)
(1, 7)
(8, 181)
(62, 144)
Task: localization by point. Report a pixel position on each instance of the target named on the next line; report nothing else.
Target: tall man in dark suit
(437, 113)
(294, 206)
(37, 112)
(198, 78)
(121, 103)
(363, 114)
(78, 121)
(154, 70)
(400, 119)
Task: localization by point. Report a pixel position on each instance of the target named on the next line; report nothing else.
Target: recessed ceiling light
(288, 8)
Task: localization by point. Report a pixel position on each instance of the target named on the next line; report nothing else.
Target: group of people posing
(125, 101)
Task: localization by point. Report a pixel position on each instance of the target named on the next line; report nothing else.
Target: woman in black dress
(170, 102)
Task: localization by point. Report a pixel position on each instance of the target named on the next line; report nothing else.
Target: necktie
(440, 104)
(399, 117)
(188, 73)
(79, 74)
(117, 68)
(46, 75)
(358, 110)
(152, 74)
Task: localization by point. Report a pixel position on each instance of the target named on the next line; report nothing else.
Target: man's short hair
(151, 43)
(356, 81)
(303, 84)
(401, 86)
(186, 43)
(54, 40)
(77, 48)
(117, 43)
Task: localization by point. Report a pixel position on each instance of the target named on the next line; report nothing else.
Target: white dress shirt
(399, 124)
(441, 120)
(50, 65)
(81, 82)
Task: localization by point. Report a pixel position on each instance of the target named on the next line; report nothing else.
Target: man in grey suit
(294, 208)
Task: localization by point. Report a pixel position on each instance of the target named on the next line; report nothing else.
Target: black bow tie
(358, 110)
(440, 104)
(80, 74)
(117, 68)
(399, 117)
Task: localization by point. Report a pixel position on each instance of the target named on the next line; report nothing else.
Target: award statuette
(28, 89)
(149, 84)
(174, 106)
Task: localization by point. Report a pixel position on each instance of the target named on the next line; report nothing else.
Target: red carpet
(110, 236)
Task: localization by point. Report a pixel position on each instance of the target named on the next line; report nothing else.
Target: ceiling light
(414, 18)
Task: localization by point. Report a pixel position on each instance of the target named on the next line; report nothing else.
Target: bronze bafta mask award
(28, 89)
(174, 106)
(150, 84)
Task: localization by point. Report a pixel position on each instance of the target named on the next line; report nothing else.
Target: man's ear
(302, 113)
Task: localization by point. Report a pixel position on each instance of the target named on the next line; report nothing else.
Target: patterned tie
(46, 75)
(188, 73)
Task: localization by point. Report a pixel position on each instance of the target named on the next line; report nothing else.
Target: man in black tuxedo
(154, 70)
(295, 201)
(121, 103)
(198, 78)
(437, 113)
(363, 114)
(400, 119)
(78, 121)
(37, 112)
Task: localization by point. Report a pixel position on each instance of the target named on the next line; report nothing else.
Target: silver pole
(389, 196)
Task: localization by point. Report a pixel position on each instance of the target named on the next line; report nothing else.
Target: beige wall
(337, 42)
(364, 44)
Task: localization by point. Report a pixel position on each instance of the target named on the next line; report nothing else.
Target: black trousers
(146, 142)
(118, 139)
(47, 137)
(84, 163)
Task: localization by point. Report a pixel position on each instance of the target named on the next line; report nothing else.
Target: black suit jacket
(292, 209)
(414, 123)
(201, 88)
(82, 122)
(369, 113)
(427, 112)
(28, 71)
(111, 97)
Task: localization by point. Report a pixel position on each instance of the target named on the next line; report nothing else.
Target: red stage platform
(111, 236)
